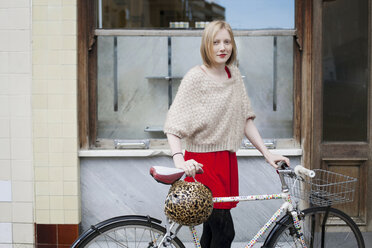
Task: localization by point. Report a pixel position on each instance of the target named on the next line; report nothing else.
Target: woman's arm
(254, 136)
(189, 166)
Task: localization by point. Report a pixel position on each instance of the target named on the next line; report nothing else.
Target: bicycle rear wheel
(323, 227)
(128, 233)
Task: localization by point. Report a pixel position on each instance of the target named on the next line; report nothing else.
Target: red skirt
(220, 174)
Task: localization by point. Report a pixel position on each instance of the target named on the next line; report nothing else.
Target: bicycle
(316, 226)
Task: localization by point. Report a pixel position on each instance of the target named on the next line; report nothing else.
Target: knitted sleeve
(180, 121)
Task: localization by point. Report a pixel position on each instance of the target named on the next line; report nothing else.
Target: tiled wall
(16, 166)
(54, 108)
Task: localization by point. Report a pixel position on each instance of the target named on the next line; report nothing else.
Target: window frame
(87, 71)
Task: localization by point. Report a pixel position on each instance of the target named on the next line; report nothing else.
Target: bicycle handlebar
(300, 170)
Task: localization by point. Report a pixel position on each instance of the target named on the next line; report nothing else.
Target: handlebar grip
(300, 170)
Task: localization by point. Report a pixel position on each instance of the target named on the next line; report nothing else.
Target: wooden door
(342, 95)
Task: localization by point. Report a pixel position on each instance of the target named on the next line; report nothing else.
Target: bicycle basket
(325, 189)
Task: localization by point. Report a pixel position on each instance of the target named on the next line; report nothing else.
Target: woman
(212, 112)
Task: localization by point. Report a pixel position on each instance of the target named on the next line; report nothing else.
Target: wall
(54, 106)
(16, 166)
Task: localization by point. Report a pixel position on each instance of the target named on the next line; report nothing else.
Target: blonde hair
(206, 47)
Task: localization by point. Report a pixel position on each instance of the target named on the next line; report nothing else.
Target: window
(145, 47)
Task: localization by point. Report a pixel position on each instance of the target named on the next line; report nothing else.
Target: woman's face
(222, 47)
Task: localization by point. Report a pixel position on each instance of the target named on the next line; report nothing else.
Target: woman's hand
(273, 159)
(190, 167)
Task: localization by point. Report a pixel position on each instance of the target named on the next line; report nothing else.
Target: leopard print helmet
(188, 203)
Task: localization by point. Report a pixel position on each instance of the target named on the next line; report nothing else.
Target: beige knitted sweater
(209, 115)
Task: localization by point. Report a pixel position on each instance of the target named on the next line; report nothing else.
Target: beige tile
(54, 72)
(70, 188)
(39, 42)
(40, 130)
(56, 188)
(4, 128)
(22, 191)
(70, 158)
(69, 2)
(72, 216)
(5, 148)
(54, 42)
(40, 116)
(55, 174)
(42, 173)
(39, 2)
(21, 149)
(55, 28)
(70, 86)
(5, 212)
(39, 28)
(39, 13)
(56, 145)
(56, 202)
(69, 12)
(69, 42)
(41, 144)
(39, 57)
(70, 100)
(69, 57)
(69, 27)
(70, 145)
(39, 72)
(69, 116)
(5, 169)
(42, 202)
(42, 216)
(23, 212)
(22, 172)
(54, 13)
(55, 2)
(69, 72)
(71, 202)
(56, 102)
(69, 130)
(57, 217)
(23, 233)
(41, 159)
(55, 159)
(56, 87)
(39, 87)
(55, 130)
(21, 128)
(42, 188)
(39, 101)
(70, 173)
(55, 57)
(54, 116)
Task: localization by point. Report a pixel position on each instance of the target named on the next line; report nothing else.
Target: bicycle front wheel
(323, 227)
(129, 233)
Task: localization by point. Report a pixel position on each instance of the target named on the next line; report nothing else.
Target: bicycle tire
(128, 233)
(283, 234)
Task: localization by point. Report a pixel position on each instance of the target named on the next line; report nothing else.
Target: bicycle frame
(287, 206)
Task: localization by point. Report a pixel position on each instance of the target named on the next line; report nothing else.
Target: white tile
(20, 40)
(21, 128)
(4, 61)
(22, 172)
(5, 191)
(20, 105)
(22, 191)
(4, 128)
(4, 18)
(19, 18)
(23, 233)
(6, 233)
(19, 62)
(4, 84)
(4, 40)
(4, 148)
(5, 212)
(5, 170)
(4, 106)
(21, 148)
(20, 3)
(20, 84)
